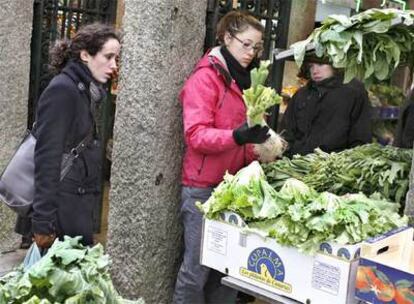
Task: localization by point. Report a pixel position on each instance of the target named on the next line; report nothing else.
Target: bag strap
(82, 145)
(76, 151)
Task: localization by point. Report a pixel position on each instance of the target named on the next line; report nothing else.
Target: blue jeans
(197, 284)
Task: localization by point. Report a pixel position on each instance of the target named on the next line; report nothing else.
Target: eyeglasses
(248, 45)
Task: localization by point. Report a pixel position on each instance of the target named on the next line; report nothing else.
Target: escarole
(258, 98)
(297, 215)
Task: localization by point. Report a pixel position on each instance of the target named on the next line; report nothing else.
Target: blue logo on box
(233, 219)
(326, 248)
(266, 262)
(344, 253)
(265, 266)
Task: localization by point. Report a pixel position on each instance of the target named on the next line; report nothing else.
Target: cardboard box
(319, 279)
(348, 252)
(386, 268)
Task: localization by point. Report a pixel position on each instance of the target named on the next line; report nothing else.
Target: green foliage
(388, 95)
(69, 273)
(297, 215)
(258, 98)
(369, 45)
(368, 168)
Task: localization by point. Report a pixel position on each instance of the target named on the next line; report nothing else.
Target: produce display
(386, 95)
(369, 45)
(297, 215)
(384, 131)
(369, 168)
(69, 273)
(386, 101)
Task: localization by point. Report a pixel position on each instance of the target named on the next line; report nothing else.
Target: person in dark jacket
(64, 118)
(327, 113)
(404, 136)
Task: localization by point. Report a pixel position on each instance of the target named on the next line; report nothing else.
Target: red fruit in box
(404, 293)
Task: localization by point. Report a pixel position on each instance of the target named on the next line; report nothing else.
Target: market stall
(293, 230)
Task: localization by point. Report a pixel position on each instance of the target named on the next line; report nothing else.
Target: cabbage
(69, 273)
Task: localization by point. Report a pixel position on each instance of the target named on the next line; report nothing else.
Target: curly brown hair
(237, 22)
(91, 38)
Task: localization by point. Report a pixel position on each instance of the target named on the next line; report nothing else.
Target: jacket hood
(213, 55)
(215, 59)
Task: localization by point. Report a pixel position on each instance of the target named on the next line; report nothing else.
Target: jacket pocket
(76, 172)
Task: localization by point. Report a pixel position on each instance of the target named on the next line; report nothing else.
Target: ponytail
(60, 53)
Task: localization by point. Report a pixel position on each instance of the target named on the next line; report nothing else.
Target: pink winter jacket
(212, 107)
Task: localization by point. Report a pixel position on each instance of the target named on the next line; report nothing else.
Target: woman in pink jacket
(217, 140)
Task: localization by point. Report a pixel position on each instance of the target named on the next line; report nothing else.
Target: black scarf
(240, 74)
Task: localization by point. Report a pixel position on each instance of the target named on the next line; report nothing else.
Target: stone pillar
(302, 20)
(162, 42)
(15, 34)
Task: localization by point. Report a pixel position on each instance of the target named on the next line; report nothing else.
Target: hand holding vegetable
(254, 135)
(258, 99)
(44, 240)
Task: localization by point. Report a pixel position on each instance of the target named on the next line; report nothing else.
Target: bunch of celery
(259, 98)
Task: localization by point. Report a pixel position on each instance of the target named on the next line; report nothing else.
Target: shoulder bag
(17, 179)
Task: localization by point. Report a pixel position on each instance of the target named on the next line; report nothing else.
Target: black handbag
(17, 179)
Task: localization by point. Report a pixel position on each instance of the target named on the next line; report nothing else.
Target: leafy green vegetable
(258, 99)
(369, 45)
(299, 216)
(69, 273)
(246, 193)
(368, 168)
(388, 95)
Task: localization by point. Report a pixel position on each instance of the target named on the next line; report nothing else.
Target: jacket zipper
(202, 165)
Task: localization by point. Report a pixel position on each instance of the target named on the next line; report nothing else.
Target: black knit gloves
(253, 135)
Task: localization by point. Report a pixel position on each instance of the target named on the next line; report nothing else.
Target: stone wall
(15, 34)
(302, 19)
(162, 42)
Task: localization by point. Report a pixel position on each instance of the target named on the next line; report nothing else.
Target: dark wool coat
(64, 119)
(404, 136)
(330, 115)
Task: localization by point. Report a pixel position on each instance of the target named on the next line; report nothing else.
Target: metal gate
(275, 14)
(57, 19)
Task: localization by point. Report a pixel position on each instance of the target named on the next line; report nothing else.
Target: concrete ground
(11, 259)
